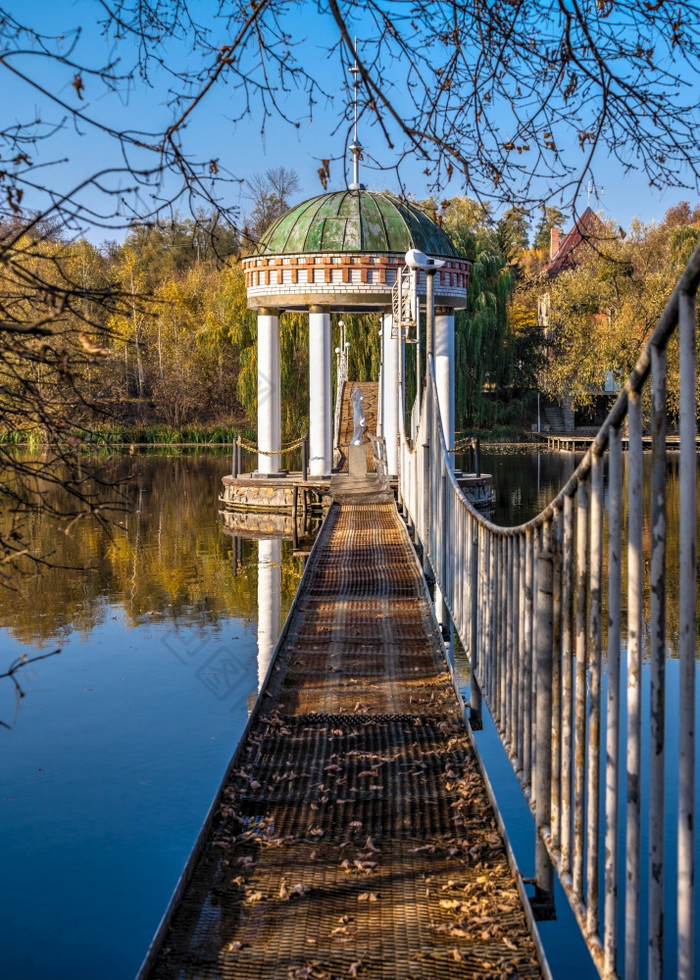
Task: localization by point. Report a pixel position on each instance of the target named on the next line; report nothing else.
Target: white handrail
(527, 603)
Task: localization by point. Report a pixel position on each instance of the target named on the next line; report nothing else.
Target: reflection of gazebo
(340, 252)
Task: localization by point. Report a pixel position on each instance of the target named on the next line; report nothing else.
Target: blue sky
(241, 149)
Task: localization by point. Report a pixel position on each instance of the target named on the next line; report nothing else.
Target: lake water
(119, 746)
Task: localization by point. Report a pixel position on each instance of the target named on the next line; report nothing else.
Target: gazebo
(341, 252)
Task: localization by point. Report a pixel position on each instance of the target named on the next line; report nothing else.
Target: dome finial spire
(355, 146)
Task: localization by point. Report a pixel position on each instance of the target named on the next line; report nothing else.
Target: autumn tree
(603, 310)
(173, 360)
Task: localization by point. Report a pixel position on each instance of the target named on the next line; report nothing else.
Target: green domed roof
(354, 221)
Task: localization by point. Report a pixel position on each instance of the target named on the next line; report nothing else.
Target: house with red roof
(567, 252)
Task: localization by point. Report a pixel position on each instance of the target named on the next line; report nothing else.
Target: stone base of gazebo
(282, 493)
(290, 494)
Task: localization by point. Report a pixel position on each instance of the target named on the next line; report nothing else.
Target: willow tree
(484, 351)
(484, 348)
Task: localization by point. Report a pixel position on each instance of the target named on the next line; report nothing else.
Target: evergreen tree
(552, 217)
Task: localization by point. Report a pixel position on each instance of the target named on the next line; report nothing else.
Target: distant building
(569, 251)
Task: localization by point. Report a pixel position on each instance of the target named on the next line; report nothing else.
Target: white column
(445, 372)
(320, 422)
(390, 394)
(269, 602)
(269, 402)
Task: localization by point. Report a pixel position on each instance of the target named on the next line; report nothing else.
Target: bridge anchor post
(543, 900)
(476, 718)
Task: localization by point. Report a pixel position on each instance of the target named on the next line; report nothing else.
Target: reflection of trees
(672, 552)
(166, 559)
(513, 473)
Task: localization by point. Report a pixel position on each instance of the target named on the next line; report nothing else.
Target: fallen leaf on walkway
(366, 866)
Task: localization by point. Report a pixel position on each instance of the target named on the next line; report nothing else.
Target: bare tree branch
(17, 665)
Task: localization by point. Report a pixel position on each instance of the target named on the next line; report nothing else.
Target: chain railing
(533, 605)
(241, 445)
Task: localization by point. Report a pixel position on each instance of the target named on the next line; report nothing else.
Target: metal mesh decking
(354, 837)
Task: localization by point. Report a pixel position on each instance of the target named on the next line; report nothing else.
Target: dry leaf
(366, 866)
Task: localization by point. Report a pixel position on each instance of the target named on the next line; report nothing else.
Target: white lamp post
(440, 341)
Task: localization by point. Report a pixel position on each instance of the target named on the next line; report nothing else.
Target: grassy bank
(118, 435)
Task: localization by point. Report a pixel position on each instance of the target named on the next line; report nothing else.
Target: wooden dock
(579, 444)
(353, 834)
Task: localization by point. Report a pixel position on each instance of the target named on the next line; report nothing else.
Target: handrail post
(543, 903)
(475, 713)
(687, 638)
(235, 462)
(305, 459)
(635, 614)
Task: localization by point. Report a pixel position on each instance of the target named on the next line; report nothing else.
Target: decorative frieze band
(351, 270)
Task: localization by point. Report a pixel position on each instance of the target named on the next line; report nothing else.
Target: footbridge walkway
(353, 835)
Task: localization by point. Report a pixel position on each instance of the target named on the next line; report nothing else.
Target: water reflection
(269, 602)
(526, 479)
(122, 739)
(274, 533)
(164, 560)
